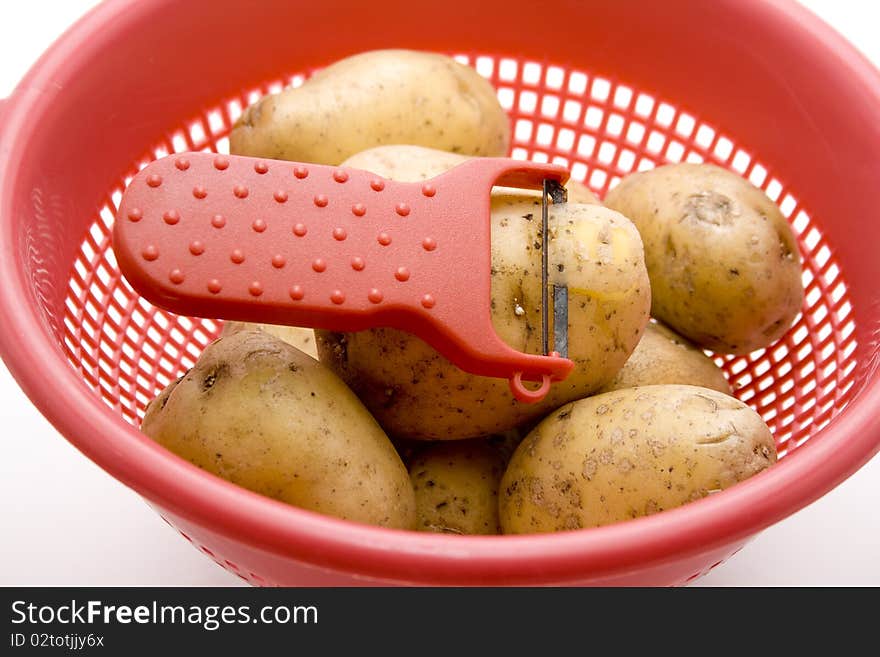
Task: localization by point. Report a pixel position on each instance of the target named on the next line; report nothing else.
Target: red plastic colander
(761, 87)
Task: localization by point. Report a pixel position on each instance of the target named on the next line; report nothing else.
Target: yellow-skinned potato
(630, 453)
(301, 338)
(407, 163)
(456, 486)
(724, 264)
(374, 98)
(415, 392)
(663, 356)
(262, 414)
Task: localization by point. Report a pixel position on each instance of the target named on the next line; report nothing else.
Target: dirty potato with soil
(262, 414)
(663, 356)
(456, 486)
(630, 453)
(724, 264)
(374, 98)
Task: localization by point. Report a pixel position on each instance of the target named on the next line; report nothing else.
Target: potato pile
(377, 427)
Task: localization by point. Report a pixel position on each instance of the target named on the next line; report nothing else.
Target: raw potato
(262, 414)
(374, 98)
(630, 453)
(415, 392)
(407, 163)
(456, 485)
(301, 338)
(724, 264)
(662, 356)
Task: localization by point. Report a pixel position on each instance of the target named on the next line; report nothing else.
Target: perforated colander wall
(127, 350)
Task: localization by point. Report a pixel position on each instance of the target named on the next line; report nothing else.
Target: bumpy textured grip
(326, 247)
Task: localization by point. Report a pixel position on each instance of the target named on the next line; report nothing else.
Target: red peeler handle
(327, 247)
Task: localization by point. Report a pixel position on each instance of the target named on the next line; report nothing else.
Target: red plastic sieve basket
(761, 87)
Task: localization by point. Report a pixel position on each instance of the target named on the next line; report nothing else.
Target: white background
(64, 521)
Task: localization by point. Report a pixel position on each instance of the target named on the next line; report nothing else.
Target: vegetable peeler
(341, 249)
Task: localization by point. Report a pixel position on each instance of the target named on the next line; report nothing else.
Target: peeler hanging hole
(526, 395)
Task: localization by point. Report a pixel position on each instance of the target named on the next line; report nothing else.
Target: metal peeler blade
(554, 191)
